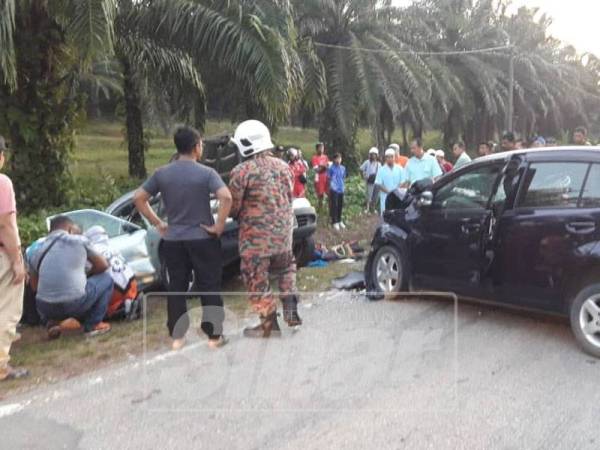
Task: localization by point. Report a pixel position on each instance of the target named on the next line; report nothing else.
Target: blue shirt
(337, 174)
(419, 169)
(390, 178)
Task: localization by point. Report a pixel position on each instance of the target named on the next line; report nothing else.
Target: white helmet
(252, 137)
(292, 152)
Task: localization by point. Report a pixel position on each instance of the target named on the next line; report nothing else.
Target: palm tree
(44, 47)
(372, 75)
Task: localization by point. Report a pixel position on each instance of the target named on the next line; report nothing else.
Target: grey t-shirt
(62, 276)
(185, 187)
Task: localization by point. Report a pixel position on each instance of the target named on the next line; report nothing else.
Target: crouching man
(262, 191)
(64, 291)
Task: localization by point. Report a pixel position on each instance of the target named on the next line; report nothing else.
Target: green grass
(101, 148)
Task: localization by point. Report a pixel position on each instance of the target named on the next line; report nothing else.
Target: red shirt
(298, 169)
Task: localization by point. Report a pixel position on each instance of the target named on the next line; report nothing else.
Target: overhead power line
(419, 53)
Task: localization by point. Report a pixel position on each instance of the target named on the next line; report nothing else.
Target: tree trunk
(200, 112)
(40, 114)
(136, 144)
(336, 141)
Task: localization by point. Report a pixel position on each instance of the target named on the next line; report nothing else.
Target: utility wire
(411, 52)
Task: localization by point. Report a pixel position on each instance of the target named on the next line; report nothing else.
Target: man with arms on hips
(191, 238)
(420, 166)
(261, 188)
(12, 274)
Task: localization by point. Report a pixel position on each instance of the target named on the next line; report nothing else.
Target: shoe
(70, 325)
(336, 226)
(53, 329)
(177, 344)
(268, 327)
(290, 311)
(100, 329)
(221, 341)
(11, 373)
(342, 225)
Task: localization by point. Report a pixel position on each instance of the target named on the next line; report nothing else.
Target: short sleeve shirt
(8, 205)
(420, 169)
(61, 268)
(185, 188)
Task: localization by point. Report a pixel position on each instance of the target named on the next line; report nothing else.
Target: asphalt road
(409, 374)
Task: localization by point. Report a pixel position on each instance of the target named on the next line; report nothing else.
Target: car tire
(304, 252)
(585, 319)
(388, 271)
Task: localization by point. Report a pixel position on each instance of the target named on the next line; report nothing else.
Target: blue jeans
(89, 310)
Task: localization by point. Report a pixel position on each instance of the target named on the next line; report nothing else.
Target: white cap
(432, 152)
(374, 151)
(440, 153)
(395, 147)
(390, 152)
(252, 137)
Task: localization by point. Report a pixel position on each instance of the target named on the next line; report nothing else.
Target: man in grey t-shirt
(191, 237)
(63, 289)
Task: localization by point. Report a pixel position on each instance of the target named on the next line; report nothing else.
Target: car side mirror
(425, 199)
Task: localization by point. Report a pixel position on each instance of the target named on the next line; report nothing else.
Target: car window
(89, 218)
(591, 193)
(471, 190)
(553, 185)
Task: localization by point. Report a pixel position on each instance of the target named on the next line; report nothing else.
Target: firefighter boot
(290, 311)
(268, 327)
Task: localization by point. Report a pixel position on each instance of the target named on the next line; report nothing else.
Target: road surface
(408, 374)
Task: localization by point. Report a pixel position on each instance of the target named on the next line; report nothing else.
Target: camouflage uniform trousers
(256, 272)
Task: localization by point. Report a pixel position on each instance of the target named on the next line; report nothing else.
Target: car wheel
(585, 319)
(304, 252)
(388, 270)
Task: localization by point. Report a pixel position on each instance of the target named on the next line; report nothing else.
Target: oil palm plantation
(46, 46)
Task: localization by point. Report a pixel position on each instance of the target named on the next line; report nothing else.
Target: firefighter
(262, 190)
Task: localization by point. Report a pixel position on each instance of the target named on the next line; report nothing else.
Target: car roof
(582, 152)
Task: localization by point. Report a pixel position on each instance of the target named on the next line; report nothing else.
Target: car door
(445, 244)
(542, 238)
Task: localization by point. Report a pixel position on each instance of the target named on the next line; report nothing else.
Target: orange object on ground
(119, 296)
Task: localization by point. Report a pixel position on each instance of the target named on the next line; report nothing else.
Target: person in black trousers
(191, 238)
(337, 177)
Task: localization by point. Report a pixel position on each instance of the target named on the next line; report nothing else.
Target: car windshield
(114, 226)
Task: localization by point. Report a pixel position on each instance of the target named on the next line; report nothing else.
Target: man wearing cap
(389, 177)
(298, 169)
(262, 191)
(191, 241)
(12, 274)
(369, 171)
(421, 166)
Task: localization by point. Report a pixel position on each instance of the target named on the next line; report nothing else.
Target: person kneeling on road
(262, 191)
(58, 275)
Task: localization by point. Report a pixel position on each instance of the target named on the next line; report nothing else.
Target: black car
(519, 228)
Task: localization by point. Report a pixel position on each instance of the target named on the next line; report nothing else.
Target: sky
(574, 21)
